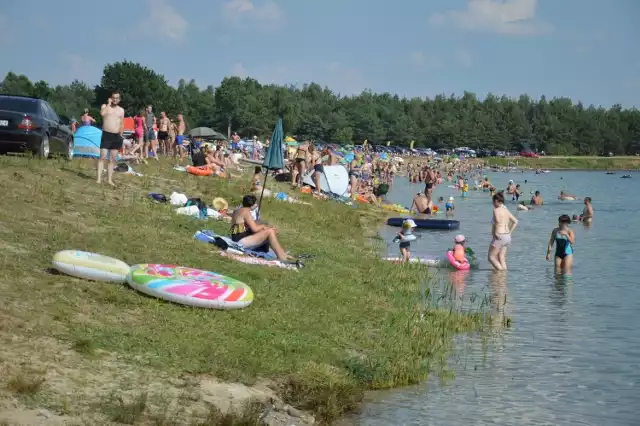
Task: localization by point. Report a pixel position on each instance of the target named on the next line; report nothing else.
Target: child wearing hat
(405, 236)
(459, 249)
(450, 206)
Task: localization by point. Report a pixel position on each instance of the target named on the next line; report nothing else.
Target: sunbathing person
(213, 163)
(252, 235)
(256, 182)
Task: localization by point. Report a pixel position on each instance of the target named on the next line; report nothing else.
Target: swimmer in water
(565, 196)
(537, 199)
(564, 239)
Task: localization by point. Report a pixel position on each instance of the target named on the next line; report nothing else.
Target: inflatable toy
(90, 266)
(191, 287)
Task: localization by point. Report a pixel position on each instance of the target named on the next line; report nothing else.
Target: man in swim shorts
(180, 129)
(163, 132)
(112, 140)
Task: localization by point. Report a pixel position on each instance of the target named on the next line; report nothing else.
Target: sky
(582, 49)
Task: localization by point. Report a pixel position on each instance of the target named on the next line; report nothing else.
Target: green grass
(578, 163)
(345, 323)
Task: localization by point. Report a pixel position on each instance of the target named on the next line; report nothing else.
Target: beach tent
(87, 142)
(335, 179)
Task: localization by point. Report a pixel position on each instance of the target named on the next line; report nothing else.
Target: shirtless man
(163, 132)
(429, 182)
(422, 204)
(112, 130)
(150, 141)
(180, 129)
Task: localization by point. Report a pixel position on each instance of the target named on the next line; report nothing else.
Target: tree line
(556, 126)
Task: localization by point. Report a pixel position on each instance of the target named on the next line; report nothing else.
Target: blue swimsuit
(563, 246)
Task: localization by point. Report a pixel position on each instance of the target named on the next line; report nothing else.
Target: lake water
(572, 353)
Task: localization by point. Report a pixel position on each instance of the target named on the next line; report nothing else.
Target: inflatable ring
(199, 171)
(191, 287)
(459, 266)
(90, 266)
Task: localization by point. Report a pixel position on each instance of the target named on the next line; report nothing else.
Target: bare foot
(113, 185)
(98, 182)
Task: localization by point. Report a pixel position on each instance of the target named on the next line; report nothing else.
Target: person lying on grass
(252, 235)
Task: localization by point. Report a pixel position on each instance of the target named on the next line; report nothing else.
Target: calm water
(572, 354)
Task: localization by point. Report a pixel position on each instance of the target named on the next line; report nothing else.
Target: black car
(30, 124)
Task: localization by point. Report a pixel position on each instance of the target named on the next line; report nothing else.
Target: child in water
(459, 249)
(450, 206)
(465, 188)
(563, 238)
(405, 237)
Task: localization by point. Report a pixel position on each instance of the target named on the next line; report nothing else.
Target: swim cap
(409, 223)
(450, 198)
(460, 238)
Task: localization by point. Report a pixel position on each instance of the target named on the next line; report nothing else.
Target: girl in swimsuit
(502, 225)
(252, 235)
(354, 174)
(87, 119)
(563, 238)
(300, 166)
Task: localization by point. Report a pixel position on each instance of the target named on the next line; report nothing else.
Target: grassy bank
(318, 337)
(578, 163)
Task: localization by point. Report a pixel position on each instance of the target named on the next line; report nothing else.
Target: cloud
(505, 17)
(265, 13)
(164, 21)
(422, 60)
(339, 77)
(464, 58)
(238, 70)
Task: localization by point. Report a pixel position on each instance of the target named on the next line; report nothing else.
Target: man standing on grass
(112, 130)
(149, 133)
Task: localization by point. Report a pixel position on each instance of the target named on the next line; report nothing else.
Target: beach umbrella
(273, 158)
(205, 132)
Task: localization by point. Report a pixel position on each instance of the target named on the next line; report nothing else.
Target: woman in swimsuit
(252, 235)
(300, 166)
(315, 161)
(563, 238)
(502, 225)
(87, 119)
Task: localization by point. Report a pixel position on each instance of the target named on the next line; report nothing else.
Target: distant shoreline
(613, 164)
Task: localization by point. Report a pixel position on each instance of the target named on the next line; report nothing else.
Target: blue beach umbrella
(274, 157)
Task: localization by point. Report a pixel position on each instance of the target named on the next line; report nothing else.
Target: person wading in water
(429, 182)
(112, 130)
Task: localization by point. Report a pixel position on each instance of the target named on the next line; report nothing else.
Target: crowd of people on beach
(370, 179)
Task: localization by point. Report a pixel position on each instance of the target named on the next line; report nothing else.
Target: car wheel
(70, 147)
(43, 150)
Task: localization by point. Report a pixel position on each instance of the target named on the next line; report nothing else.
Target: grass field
(94, 353)
(578, 163)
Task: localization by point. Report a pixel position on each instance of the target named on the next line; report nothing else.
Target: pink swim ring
(459, 266)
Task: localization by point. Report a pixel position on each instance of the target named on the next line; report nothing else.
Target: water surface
(572, 353)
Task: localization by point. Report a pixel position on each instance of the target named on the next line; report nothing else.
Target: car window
(51, 114)
(26, 106)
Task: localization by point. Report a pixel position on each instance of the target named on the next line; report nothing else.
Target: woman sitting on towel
(251, 235)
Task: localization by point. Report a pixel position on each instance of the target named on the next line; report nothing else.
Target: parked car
(529, 154)
(31, 124)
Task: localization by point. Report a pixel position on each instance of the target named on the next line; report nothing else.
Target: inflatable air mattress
(427, 223)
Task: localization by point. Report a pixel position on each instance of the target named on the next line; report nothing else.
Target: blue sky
(584, 49)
